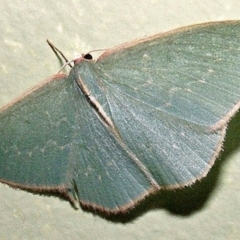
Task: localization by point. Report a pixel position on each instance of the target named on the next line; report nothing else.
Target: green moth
(147, 115)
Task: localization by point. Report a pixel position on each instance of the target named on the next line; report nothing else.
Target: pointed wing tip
(223, 122)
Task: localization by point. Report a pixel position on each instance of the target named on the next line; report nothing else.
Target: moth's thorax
(87, 77)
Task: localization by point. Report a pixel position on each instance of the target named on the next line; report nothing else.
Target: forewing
(53, 139)
(36, 133)
(171, 96)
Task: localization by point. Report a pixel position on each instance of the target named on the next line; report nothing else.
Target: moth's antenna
(57, 51)
(67, 63)
(97, 50)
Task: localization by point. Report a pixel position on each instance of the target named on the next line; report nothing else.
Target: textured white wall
(79, 26)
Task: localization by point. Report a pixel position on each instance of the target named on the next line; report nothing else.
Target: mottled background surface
(208, 210)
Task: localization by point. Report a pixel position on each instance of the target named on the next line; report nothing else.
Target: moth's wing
(35, 136)
(171, 96)
(52, 139)
(103, 174)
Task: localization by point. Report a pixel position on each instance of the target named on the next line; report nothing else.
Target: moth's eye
(88, 56)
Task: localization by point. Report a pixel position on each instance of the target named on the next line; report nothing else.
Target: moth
(147, 115)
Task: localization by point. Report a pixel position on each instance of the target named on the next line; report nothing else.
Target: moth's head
(87, 56)
(84, 57)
